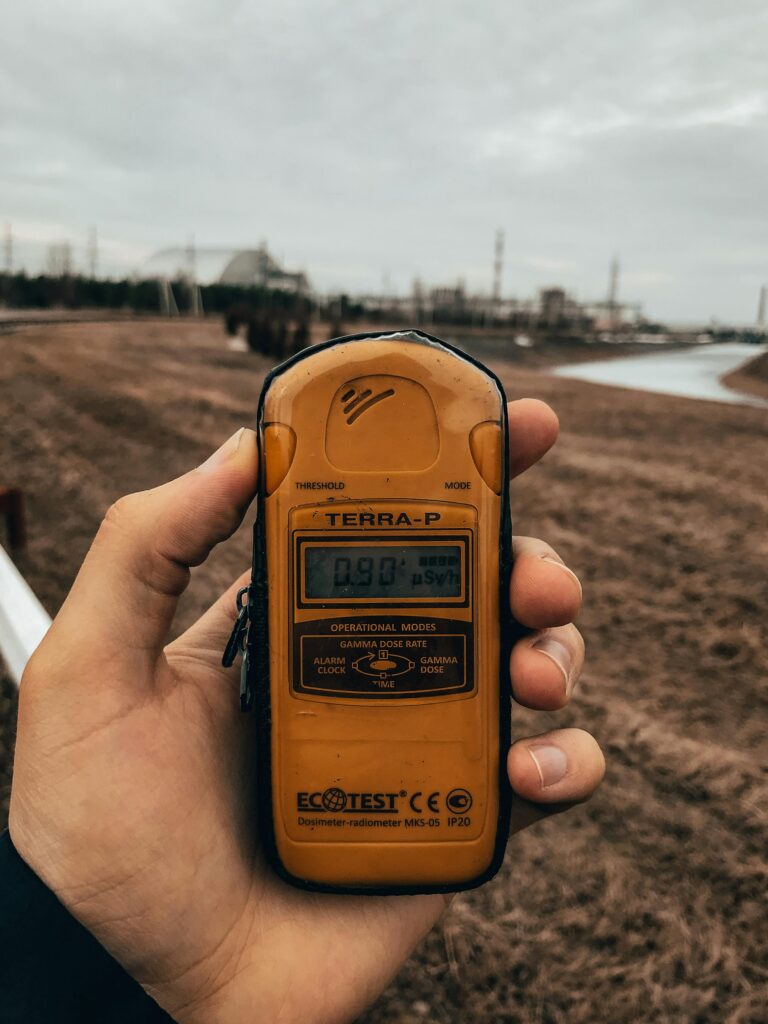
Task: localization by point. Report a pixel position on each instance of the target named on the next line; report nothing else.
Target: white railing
(23, 620)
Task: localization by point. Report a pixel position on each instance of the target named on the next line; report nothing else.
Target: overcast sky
(366, 139)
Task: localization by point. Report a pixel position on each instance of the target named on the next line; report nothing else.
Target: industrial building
(241, 267)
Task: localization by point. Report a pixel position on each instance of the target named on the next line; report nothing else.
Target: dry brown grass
(752, 377)
(647, 905)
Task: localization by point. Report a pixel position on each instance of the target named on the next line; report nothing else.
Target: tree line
(46, 291)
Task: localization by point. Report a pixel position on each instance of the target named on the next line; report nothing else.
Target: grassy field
(647, 905)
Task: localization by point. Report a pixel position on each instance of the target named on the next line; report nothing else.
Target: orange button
(279, 449)
(485, 445)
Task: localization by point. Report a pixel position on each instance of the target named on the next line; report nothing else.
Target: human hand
(132, 788)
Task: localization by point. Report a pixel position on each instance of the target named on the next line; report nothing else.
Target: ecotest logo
(336, 800)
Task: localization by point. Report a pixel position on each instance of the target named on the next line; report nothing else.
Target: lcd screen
(396, 571)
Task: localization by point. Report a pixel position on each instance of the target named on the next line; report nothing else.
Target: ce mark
(431, 802)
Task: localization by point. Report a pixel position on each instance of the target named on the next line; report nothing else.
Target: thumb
(122, 603)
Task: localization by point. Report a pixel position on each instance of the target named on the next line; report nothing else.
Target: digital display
(349, 571)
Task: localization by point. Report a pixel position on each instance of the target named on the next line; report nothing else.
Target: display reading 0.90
(340, 572)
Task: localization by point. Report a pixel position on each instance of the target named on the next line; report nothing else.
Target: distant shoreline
(751, 377)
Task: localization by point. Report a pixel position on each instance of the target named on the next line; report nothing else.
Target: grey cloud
(392, 136)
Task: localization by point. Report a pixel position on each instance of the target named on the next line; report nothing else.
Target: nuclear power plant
(552, 310)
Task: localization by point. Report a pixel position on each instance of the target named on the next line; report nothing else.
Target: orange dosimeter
(376, 628)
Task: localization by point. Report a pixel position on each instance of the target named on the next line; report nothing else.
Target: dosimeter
(376, 630)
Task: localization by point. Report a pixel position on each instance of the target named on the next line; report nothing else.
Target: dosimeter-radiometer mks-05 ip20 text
(376, 628)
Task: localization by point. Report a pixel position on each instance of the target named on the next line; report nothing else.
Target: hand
(131, 795)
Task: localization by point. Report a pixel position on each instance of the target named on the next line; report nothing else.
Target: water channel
(689, 373)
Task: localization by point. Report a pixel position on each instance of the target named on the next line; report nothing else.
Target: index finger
(123, 600)
(533, 429)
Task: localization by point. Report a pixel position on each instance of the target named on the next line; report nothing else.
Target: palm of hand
(134, 785)
(177, 858)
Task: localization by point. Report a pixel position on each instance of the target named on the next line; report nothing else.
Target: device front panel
(384, 652)
(411, 631)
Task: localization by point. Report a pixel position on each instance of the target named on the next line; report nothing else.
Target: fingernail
(556, 560)
(557, 652)
(551, 763)
(227, 450)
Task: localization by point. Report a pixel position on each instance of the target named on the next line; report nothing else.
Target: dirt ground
(752, 377)
(647, 905)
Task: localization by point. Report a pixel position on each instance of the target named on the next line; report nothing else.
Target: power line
(195, 296)
(168, 305)
(498, 265)
(8, 247)
(59, 261)
(613, 293)
(93, 252)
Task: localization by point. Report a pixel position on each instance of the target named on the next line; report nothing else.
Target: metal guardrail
(23, 620)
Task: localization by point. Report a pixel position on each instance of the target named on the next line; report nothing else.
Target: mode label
(392, 657)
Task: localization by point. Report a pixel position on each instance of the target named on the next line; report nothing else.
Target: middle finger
(543, 590)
